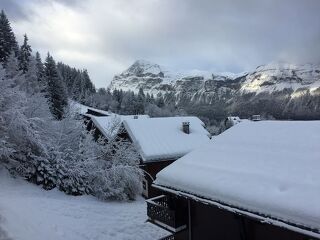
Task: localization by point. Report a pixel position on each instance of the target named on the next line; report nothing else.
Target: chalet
(231, 121)
(255, 181)
(83, 110)
(161, 141)
(110, 126)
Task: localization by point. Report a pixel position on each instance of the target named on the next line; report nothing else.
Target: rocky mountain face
(281, 90)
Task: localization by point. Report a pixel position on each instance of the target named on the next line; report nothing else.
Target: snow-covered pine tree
(88, 86)
(40, 70)
(75, 89)
(57, 95)
(160, 101)
(32, 85)
(140, 102)
(24, 55)
(8, 41)
(68, 75)
(12, 68)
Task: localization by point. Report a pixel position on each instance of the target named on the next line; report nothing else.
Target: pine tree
(32, 85)
(12, 69)
(40, 71)
(140, 102)
(160, 101)
(24, 55)
(57, 96)
(88, 85)
(8, 41)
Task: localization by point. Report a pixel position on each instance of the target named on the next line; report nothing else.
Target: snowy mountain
(267, 78)
(156, 79)
(276, 77)
(282, 82)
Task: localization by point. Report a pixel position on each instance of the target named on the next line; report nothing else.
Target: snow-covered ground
(28, 212)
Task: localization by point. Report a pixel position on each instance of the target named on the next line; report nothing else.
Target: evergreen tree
(12, 68)
(160, 101)
(32, 85)
(140, 102)
(152, 100)
(78, 83)
(8, 41)
(141, 93)
(57, 96)
(24, 55)
(40, 71)
(87, 84)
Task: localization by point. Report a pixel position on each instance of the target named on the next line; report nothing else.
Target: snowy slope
(30, 213)
(268, 167)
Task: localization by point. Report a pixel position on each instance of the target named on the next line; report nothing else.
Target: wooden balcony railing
(170, 237)
(162, 212)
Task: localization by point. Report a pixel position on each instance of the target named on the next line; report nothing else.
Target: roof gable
(109, 126)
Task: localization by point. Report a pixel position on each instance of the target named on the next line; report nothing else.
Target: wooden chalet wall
(153, 168)
(210, 222)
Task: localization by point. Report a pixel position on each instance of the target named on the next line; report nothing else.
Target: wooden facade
(206, 221)
(150, 171)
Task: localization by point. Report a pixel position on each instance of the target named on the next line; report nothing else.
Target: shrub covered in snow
(118, 175)
(60, 154)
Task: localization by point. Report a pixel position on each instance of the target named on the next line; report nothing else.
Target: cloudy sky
(106, 36)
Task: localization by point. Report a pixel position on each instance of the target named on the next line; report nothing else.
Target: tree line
(40, 136)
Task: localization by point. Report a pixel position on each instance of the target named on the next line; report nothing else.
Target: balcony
(170, 237)
(170, 214)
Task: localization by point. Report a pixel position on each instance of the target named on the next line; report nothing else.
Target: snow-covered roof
(83, 109)
(109, 125)
(234, 120)
(269, 168)
(163, 138)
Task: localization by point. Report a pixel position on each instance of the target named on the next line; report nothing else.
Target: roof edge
(260, 217)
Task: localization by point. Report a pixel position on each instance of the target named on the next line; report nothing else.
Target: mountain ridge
(154, 79)
(291, 88)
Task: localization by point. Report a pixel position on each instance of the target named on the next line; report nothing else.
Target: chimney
(186, 127)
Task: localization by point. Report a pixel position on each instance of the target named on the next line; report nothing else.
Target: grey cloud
(14, 9)
(236, 34)
(222, 35)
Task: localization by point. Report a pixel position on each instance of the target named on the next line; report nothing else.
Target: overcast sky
(106, 36)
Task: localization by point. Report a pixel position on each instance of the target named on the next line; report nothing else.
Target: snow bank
(163, 138)
(267, 167)
(28, 212)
